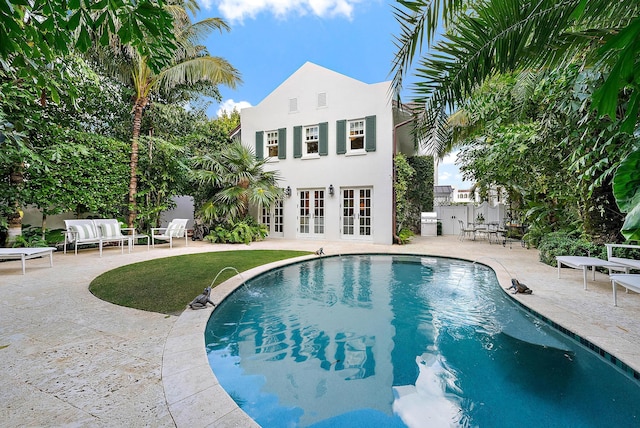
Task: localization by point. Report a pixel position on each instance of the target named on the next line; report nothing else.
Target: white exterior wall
(346, 99)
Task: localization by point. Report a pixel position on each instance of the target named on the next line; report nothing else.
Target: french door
(273, 218)
(357, 214)
(311, 212)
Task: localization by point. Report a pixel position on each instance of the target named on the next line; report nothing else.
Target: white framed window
(356, 135)
(311, 138)
(272, 144)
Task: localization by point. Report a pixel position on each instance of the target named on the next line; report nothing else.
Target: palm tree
(497, 36)
(192, 71)
(236, 179)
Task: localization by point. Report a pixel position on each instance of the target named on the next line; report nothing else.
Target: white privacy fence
(450, 215)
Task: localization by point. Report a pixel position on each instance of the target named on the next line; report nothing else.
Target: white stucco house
(332, 138)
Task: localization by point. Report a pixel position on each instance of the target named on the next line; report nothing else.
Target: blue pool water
(404, 341)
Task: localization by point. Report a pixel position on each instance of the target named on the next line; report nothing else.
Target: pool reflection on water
(395, 341)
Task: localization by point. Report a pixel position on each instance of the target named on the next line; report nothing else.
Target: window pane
(356, 134)
(272, 143)
(311, 139)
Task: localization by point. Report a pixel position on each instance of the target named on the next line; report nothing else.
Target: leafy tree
(36, 35)
(19, 115)
(73, 172)
(526, 132)
(191, 71)
(171, 121)
(498, 36)
(163, 174)
(37, 39)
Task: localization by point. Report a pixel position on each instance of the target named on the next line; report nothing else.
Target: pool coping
(193, 393)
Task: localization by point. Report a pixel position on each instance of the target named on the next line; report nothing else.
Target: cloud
(449, 159)
(238, 10)
(444, 176)
(229, 105)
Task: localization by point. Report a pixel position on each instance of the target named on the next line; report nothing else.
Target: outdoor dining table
(480, 229)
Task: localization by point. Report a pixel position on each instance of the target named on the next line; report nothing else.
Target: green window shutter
(259, 144)
(323, 138)
(297, 141)
(370, 134)
(282, 143)
(341, 137)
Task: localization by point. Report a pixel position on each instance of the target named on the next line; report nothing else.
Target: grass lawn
(169, 284)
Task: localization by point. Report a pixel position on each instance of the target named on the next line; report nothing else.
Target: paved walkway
(70, 359)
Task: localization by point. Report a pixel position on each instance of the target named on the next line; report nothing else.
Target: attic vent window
(322, 99)
(293, 105)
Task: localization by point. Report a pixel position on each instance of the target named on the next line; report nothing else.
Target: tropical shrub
(241, 232)
(405, 236)
(567, 244)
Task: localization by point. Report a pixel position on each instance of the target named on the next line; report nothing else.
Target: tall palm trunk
(138, 109)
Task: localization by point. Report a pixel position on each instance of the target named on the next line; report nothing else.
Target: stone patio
(70, 359)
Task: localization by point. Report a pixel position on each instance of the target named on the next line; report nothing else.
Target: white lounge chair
(177, 228)
(110, 231)
(631, 263)
(583, 262)
(26, 254)
(627, 280)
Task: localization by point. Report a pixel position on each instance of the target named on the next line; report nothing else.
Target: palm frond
(499, 36)
(194, 33)
(214, 70)
(418, 19)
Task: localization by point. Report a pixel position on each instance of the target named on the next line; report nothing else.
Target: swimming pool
(394, 341)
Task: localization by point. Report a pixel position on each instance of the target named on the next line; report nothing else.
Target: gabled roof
(442, 190)
(311, 75)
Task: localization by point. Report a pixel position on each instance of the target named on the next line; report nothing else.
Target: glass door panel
(357, 213)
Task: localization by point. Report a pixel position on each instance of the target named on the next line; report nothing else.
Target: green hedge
(570, 244)
(562, 244)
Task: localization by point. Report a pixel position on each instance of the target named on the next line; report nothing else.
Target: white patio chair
(109, 230)
(177, 228)
(465, 230)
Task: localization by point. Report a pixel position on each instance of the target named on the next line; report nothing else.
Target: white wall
(184, 209)
(346, 99)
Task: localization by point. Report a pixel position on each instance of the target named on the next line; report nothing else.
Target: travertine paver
(68, 358)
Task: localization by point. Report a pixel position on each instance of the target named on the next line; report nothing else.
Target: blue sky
(270, 39)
